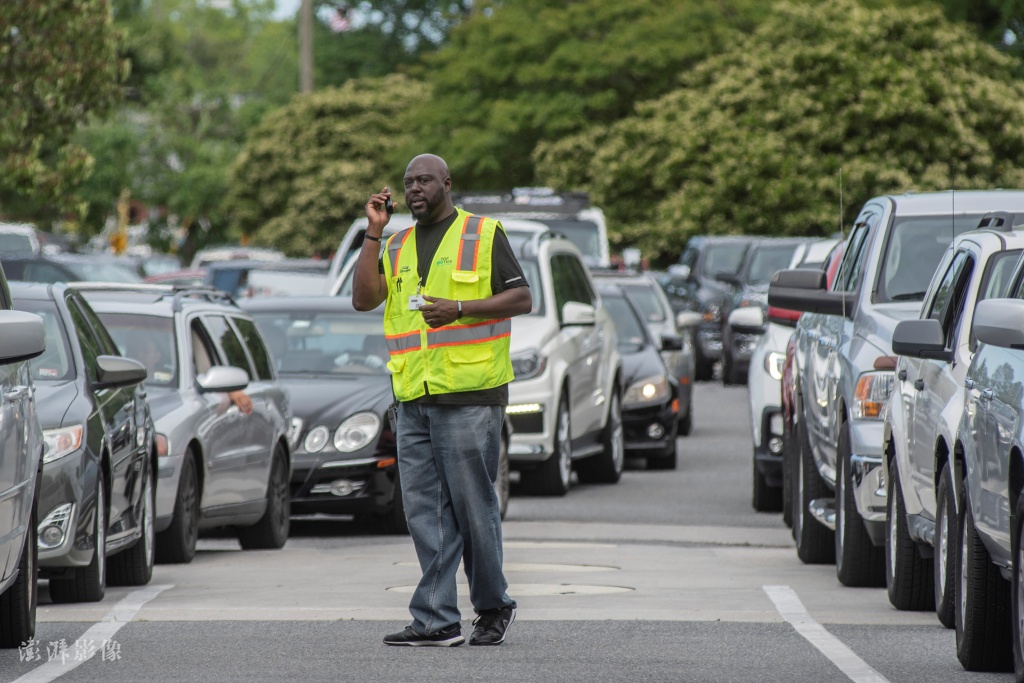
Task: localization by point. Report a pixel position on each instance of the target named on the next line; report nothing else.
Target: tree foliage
(755, 139)
(306, 171)
(536, 70)
(58, 66)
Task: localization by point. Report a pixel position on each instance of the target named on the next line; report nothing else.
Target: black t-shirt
(506, 273)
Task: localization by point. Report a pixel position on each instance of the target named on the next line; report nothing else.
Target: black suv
(695, 285)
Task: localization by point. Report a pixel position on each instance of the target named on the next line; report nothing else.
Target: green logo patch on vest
(446, 261)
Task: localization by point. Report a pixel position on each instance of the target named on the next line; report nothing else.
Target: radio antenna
(842, 234)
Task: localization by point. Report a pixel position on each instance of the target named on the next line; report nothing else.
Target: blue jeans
(448, 460)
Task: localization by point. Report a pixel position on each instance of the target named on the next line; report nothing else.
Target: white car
(565, 402)
(924, 412)
(764, 381)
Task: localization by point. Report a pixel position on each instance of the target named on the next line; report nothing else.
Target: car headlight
(61, 442)
(528, 364)
(773, 362)
(648, 390)
(873, 389)
(316, 439)
(356, 432)
(294, 432)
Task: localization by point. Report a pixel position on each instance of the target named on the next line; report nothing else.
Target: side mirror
(117, 371)
(23, 336)
(688, 319)
(805, 290)
(671, 342)
(680, 271)
(748, 318)
(1000, 322)
(575, 313)
(920, 339)
(223, 378)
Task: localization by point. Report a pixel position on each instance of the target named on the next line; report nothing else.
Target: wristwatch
(459, 302)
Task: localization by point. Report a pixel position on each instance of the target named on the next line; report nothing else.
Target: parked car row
(901, 411)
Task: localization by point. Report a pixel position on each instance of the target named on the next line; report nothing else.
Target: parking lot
(664, 576)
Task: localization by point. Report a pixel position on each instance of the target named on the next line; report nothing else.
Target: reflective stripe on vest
(475, 333)
(402, 343)
(469, 246)
(394, 249)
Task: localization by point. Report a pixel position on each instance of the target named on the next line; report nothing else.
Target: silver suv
(20, 471)
(218, 467)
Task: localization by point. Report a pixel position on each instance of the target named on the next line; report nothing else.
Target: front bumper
(650, 429)
(533, 409)
(768, 450)
(71, 480)
(167, 475)
(709, 339)
(338, 485)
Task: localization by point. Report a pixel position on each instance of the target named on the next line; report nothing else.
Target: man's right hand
(376, 214)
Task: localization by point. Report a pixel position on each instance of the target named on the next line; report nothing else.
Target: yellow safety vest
(468, 354)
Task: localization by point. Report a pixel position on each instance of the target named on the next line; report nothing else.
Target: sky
(286, 9)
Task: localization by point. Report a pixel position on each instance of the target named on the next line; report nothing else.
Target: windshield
(584, 234)
(11, 243)
(914, 249)
(55, 363)
(647, 300)
(724, 258)
(93, 271)
(148, 339)
(766, 261)
(628, 326)
(311, 343)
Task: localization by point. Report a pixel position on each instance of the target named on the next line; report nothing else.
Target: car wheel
(271, 532)
(668, 460)
(553, 476)
(501, 480)
(88, 584)
(815, 543)
(1017, 599)
(946, 538)
(766, 498)
(134, 566)
(704, 368)
(787, 473)
(18, 602)
(686, 421)
(177, 543)
(908, 576)
(983, 612)
(728, 371)
(858, 561)
(606, 467)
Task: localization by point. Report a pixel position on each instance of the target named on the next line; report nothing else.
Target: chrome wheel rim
(101, 535)
(893, 529)
(147, 522)
(618, 444)
(564, 446)
(943, 543)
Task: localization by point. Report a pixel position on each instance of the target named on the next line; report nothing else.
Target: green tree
(755, 139)
(532, 70)
(58, 66)
(306, 171)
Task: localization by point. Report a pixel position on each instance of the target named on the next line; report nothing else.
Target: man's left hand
(439, 312)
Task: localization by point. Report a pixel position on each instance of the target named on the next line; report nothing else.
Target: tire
(606, 467)
(858, 561)
(134, 566)
(1017, 588)
(18, 602)
(766, 498)
(88, 584)
(908, 576)
(271, 532)
(728, 370)
(686, 422)
(815, 543)
(668, 460)
(946, 535)
(394, 522)
(502, 483)
(983, 613)
(787, 474)
(553, 476)
(704, 368)
(177, 543)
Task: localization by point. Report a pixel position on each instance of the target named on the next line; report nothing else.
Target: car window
(260, 357)
(628, 327)
(944, 292)
(562, 282)
(204, 355)
(724, 258)
(90, 345)
(149, 339)
(648, 301)
(581, 282)
(913, 249)
(229, 343)
(996, 281)
(586, 235)
(768, 260)
(852, 266)
(40, 271)
(14, 242)
(55, 363)
(952, 293)
(106, 343)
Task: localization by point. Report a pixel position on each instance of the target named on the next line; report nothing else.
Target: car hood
(529, 331)
(638, 364)
(877, 327)
(329, 400)
(53, 399)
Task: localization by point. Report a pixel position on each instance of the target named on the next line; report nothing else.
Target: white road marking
(793, 611)
(122, 613)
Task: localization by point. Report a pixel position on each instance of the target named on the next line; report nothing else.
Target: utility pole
(306, 46)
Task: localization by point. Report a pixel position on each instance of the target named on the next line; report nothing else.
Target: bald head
(428, 189)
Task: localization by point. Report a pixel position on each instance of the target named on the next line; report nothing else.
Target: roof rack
(179, 292)
(999, 221)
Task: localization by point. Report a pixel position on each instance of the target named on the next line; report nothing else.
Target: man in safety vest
(451, 284)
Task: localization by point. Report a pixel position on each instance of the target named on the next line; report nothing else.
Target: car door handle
(16, 393)
(968, 383)
(902, 374)
(986, 395)
(919, 384)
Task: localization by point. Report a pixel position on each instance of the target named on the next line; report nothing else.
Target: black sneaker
(446, 637)
(492, 626)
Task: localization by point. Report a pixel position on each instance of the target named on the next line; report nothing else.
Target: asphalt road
(665, 576)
